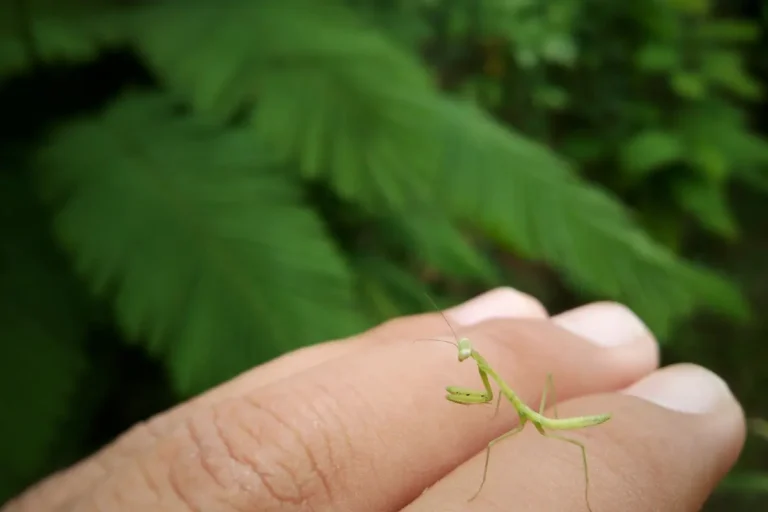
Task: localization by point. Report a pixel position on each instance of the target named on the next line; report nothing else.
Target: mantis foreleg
(462, 395)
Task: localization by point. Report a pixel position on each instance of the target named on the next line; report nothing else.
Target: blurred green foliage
(210, 184)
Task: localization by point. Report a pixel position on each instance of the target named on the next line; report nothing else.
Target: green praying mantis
(542, 423)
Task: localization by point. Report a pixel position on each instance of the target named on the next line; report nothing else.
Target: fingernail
(684, 388)
(497, 303)
(604, 323)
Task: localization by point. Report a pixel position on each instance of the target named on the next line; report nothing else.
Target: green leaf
(710, 161)
(707, 201)
(692, 7)
(223, 69)
(403, 21)
(690, 86)
(655, 56)
(730, 31)
(434, 239)
(759, 427)
(550, 97)
(43, 317)
(57, 30)
(747, 149)
(754, 177)
(726, 68)
(203, 241)
(583, 148)
(751, 482)
(388, 291)
(665, 226)
(353, 138)
(525, 197)
(359, 114)
(336, 95)
(650, 150)
(559, 49)
(720, 142)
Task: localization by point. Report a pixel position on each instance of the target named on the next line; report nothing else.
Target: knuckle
(254, 456)
(136, 439)
(523, 303)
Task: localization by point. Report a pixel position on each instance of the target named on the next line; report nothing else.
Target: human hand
(362, 425)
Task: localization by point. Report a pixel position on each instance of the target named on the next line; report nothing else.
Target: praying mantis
(542, 423)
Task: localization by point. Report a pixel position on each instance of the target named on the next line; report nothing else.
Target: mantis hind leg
(583, 458)
(549, 385)
(506, 435)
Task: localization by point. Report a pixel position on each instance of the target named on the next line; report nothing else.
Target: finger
(369, 430)
(607, 324)
(498, 303)
(672, 437)
(67, 485)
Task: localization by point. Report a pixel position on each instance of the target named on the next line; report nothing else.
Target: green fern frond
(202, 239)
(43, 317)
(334, 94)
(359, 114)
(218, 53)
(526, 198)
(51, 31)
(433, 239)
(386, 290)
(720, 141)
(650, 151)
(707, 202)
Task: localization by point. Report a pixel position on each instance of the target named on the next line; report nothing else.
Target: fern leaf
(433, 239)
(210, 51)
(204, 242)
(386, 290)
(527, 198)
(649, 151)
(335, 94)
(359, 114)
(707, 201)
(57, 30)
(42, 324)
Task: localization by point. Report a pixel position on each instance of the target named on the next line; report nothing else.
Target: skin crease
(362, 424)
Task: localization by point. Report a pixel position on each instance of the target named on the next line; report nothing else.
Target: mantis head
(465, 349)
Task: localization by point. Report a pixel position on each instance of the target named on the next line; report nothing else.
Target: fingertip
(711, 410)
(687, 388)
(607, 324)
(502, 302)
(632, 348)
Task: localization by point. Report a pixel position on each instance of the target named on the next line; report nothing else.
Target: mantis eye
(465, 349)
